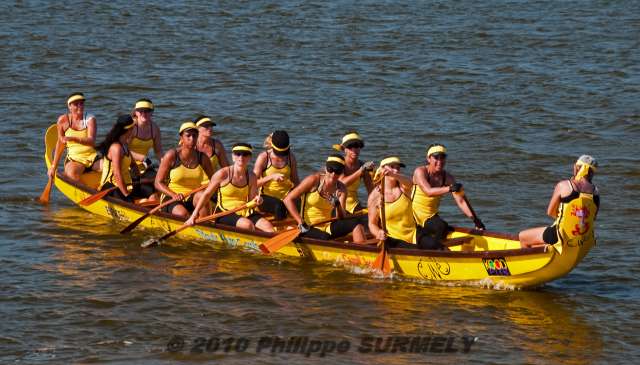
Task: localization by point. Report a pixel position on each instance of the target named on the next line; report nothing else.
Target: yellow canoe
(488, 259)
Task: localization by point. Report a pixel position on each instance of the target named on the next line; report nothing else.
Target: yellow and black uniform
(183, 180)
(215, 163)
(141, 146)
(353, 203)
(399, 220)
(425, 211)
(77, 152)
(316, 208)
(231, 196)
(575, 222)
(273, 192)
(107, 179)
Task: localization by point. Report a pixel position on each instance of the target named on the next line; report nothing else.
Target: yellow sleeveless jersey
(215, 163)
(352, 196)
(141, 146)
(231, 196)
(107, 170)
(575, 222)
(316, 208)
(399, 219)
(278, 189)
(424, 206)
(79, 152)
(183, 179)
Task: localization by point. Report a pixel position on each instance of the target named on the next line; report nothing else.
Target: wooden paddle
(156, 241)
(275, 243)
(382, 260)
(46, 194)
(135, 223)
(102, 193)
(473, 213)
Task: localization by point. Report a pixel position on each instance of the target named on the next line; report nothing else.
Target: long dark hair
(118, 129)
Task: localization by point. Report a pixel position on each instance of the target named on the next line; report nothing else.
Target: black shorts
(273, 206)
(136, 193)
(232, 219)
(436, 228)
(339, 228)
(188, 205)
(550, 235)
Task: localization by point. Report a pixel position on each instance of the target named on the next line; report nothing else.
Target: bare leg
(180, 211)
(359, 234)
(205, 208)
(245, 223)
(532, 236)
(264, 225)
(73, 170)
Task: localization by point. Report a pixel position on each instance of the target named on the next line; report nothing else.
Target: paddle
(275, 243)
(135, 223)
(473, 213)
(382, 260)
(46, 194)
(156, 241)
(101, 194)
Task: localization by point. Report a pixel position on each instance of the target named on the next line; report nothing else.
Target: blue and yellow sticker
(496, 266)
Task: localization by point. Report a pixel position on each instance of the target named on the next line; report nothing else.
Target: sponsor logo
(496, 266)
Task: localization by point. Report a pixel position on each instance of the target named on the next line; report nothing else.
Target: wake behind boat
(474, 257)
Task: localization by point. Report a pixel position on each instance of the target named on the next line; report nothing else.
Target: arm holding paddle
(464, 205)
(163, 173)
(290, 200)
(205, 196)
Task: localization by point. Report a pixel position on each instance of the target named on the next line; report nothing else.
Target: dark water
(516, 90)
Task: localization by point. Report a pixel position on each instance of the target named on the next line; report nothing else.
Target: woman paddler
(398, 229)
(235, 185)
(182, 170)
(146, 135)
(574, 206)
(319, 195)
(278, 173)
(432, 182)
(117, 163)
(77, 129)
(355, 170)
(210, 146)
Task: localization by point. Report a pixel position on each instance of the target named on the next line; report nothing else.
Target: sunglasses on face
(439, 157)
(355, 145)
(242, 153)
(334, 170)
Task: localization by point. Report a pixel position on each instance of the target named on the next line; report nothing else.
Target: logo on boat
(497, 266)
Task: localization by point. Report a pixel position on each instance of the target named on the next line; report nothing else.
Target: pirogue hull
(489, 259)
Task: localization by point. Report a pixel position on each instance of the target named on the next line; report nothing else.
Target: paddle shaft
(200, 220)
(101, 194)
(46, 194)
(135, 223)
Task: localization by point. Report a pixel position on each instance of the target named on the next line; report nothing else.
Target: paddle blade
(134, 224)
(95, 197)
(382, 262)
(44, 197)
(275, 243)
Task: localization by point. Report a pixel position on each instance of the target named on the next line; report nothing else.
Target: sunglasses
(355, 145)
(335, 170)
(242, 153)
(439, 157)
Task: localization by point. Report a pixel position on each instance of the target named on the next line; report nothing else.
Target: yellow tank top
(215, 163)
(277, 189)
(231, 196)
(424, 206)
(315, 208)
(352, 196)
(576, 217)
(141, 146)
(183, 179)
(79, 152)
(107, 170)
(399, 219)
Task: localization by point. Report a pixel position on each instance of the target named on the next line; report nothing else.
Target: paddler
(182, 170)
(77, 129)
(355, 171)
(210, 146)
(235, 185)
(146, 135)
(117, 163)
(398, 228)
(574, 205)
(277, 173)
(431, 182)
(319, 195)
